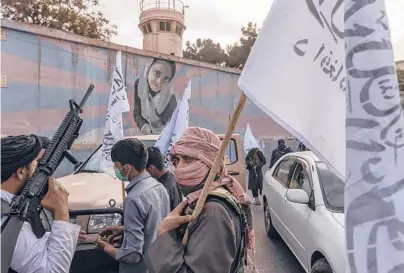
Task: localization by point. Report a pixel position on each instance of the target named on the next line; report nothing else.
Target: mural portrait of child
(155, 97)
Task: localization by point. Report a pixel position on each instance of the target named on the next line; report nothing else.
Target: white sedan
(304, 204)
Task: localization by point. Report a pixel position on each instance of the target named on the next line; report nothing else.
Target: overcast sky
(221, 20)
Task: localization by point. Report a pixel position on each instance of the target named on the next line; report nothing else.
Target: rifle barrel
(83, 101)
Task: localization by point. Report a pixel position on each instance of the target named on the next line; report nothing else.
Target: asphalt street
(272, 255)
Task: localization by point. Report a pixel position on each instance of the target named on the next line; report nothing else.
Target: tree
(234, 56)
(73, 16)
(205, 50)
(238, 52)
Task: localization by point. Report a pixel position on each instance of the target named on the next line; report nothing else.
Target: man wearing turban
(222, 236)
(36, 250)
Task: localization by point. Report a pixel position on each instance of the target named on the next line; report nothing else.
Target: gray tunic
(211, 247)
(146, 204)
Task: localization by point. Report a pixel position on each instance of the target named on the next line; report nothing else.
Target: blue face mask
(119, 175)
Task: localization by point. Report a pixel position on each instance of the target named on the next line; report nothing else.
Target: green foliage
(73, 16)
(238, 52)
(233, 56)
(206, 51)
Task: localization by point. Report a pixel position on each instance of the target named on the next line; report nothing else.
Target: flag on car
(178, 123)
(117, 104)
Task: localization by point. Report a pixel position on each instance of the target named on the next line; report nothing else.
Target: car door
(277, 189)
(296, 216)
(234, 160)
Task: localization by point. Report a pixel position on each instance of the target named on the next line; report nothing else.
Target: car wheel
(321, 266)
(269, 228)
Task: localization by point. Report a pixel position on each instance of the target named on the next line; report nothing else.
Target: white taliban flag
(374, 189)
(178, 123)
(117, 104)
(353, 41)
(295, 74)
(250, 141)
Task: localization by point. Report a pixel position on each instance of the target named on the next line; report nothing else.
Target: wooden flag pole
(218, 161)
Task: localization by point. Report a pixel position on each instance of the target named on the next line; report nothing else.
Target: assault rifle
(26, 204)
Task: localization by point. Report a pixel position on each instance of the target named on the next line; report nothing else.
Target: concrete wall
(43, 68)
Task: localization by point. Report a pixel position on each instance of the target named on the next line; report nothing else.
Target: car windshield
(93, 163)
(332, 188)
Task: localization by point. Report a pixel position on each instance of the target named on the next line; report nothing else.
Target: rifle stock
(28, 202)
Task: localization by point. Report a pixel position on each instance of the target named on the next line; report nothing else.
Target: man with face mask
(145, 205)
(280, 151)
(221, 239)
(36, 250)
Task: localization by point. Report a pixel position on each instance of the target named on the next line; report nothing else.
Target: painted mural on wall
(155, 98)
(43, 73)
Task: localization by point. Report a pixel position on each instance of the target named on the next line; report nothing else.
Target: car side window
(231, 155)
(301, 179)
(283, 170)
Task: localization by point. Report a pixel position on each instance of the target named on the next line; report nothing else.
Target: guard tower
(162, 25)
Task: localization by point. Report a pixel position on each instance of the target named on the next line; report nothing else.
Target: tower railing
(174, 5)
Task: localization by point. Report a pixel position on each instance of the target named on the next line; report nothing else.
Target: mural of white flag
(178, 123)
(117, 104)
(295, 74)
(250, 141)
(374, 189)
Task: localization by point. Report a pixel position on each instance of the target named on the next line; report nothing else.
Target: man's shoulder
(143, 186)
(168, 180)
(171, 177)
(151, 185)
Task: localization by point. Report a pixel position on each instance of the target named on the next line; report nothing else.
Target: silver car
(304, 205)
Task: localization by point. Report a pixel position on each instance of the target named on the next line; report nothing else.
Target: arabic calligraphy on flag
(117, 104)
(303, 40)
(176, 126)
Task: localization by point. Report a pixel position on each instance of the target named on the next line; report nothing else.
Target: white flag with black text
(178, 123)
(374, 189)
(117, 104)
(324, 70)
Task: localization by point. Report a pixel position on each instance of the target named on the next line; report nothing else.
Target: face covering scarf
(203, 145)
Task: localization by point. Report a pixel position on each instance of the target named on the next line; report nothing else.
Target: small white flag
(178, 123)
(117, 104)
(250, 141)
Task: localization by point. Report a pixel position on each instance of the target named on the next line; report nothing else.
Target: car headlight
(98, 222)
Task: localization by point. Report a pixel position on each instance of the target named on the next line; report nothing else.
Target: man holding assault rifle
(53, 252)
(27, 187)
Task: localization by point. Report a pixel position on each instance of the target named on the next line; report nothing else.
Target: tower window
(178, 29)
(165, 26)
(146, 28)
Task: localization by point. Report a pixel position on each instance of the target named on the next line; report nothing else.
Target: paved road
(272, 256)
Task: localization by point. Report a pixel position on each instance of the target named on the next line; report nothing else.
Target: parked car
(96, 193)
(304, 205)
